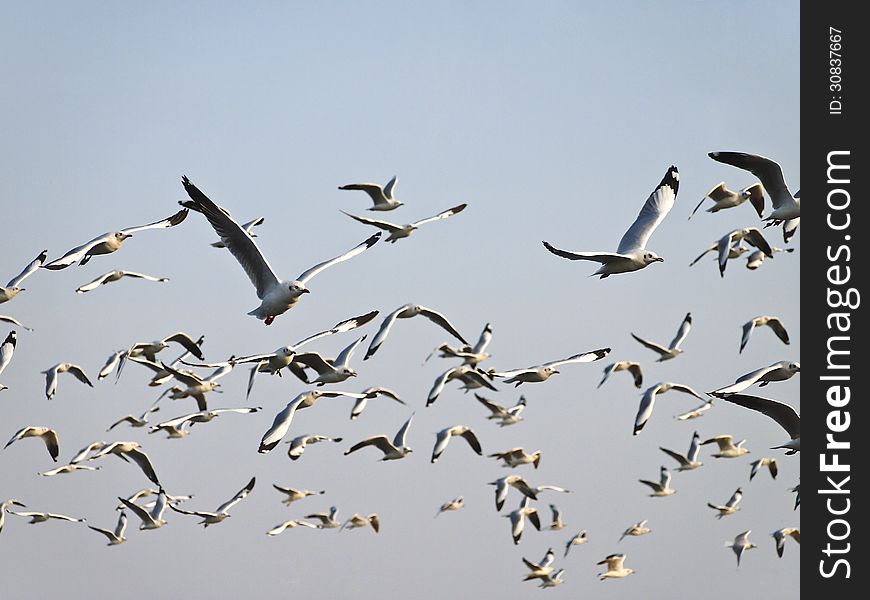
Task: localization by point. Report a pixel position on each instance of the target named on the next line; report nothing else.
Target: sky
(552, 121)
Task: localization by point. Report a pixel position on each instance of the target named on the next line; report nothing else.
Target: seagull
(203, 416)
(14, 321)
(42, 517)
(133, 420)
(615, 568)
(132, 451)
(730, 507)
(443, 438)
(394, 450)
(406, 312)
(554, 488)
(624, 365)
(68, 469)
(785, 206)
(145, 492)
(756, 258)
(690, 460)
(197, 387)
(330, 371)
(279, 529)
(82, 454)
(172, 431)
(727, 447)
(361, 403)
(757, 465)
(7, 349)
(516, 457)
(736, 250)
(327, 520)
(556, 522)
(541, 569)
(52, 373)
(221, 513)
(249, 229)
(581, 537)
(277, 296)
(518, 519)
(381, 196)
(455, 504)
(358, 520)
(150, 349)
(293, 494)
(544, 371)
(397, 232)
(778, 371)
(472, 377)
(109, 242)
(285, 417)
(49, 437)
(154, 518)
(4, 506)
(647, 401)
(741, 542)
(297, 444)
(781, 534)
(785, 415)
(673, 349)
(470, 355)
(13, 288)
(751, 235)
(637, 529)
(505, 416)
(632, 255)
(111, 363)
(117, 536)
(115, 276)
(724, 198)
(695, 412)
(161, 375)
(797, 499)
(515, 481)
(663, 488)
(775, 324)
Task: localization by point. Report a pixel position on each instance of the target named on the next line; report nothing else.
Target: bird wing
(385, 225)
(780, 412)
(87, 287)
(756, 197)
(651, 345)
(140, 512)
(238, 497)
(472, 440)
(440, 320)
(442, 215)
(384, 331)
(637, 373)
(141, 459)
(187, 342)
(136, 275)
(766, 170)
(438, 385)
(441, 441)
(711, 248)
(315, 361)
(745, 381)
(748, 327)
(601, 257)
(379, 441)
(388, 189)
(358, 249)
(79, 374)
(401, 438)
(495, 408)
(653, 484)
(346, 325)
(755, 238)
(654, 210)
(280, 425)
(171, 221)
(682, 332)
(75, 254)
(477, 377)
(483, 341)
(687, 390)
(345, 355)
(675, 455)
(583, 357)
(644, 410)
(28, 270)
(779, 329)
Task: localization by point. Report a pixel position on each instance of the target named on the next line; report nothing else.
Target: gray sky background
(553, 121)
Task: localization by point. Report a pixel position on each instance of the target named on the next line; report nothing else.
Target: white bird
(279, 529)
(196, 387)
(775, 324)
(111, 363)
(637, 529)
(361, 403)
(724, 198)
(756, 258)
(673, 350)
(130, 451)
(294, 495)
(161, 375)
(443, 437)
(115, 276)
(518, 519)
(249, 229)
(797, 498)
(394, 450)
(52, 373)
(647, 401)
(736, 250)
(95, 446)
(552, 580)
(778, 371)
(556, 523)
(730, 507)
(133, 420)
(787, 418)
(408, 311)
(502, 485)
(785, 206)
(356, 521)
(110, 242)
(14, 321)
(740, 544)
(117, 536)
(663, 487)
(297, 444)
(615, 568)
(172, 431)
(203, 416)
(470, 355)
(327, 520)
(68, 469)
(222, 511)
(330, 371)
(624, 365)
(757, 465)
(42, 517)
(382, 197)
(284, 418)
(145, 492)
(751, 235)
(544, 371)
(48, 435)
(472, 377)
(7, 350)
(696, 412)
(689, 460)
(150, 349)
(13, 287)
(632, 255)
(277, 296)
(455, 504)
(540, 569)
(780, 536)
(397, 232)
(517, 456)
(581, 537)
(4, 506)
(153, 519)
(727, 447)
(505, 416)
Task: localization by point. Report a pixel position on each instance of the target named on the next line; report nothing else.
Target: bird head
(651, 257)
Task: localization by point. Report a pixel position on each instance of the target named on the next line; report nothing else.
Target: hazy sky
(553, 121)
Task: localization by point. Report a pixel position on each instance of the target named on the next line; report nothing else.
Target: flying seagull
(778, 371)
(361, 403)
(406, 312)
(615, 568)
(502, 485)
(7, 349)
(222, 511)
(115, 276)
(14, 321)
(632, 255)
(544, 371)
(455, 504)
(115, 536)
(780, 536)
(297, 444)
(785, 206)
(647, 401)
(782, 413)
(724, 198)
(154, 518)
(52, 373)
(394, 450)
(518, 519)
(472, 377)
(624, 365)
(279, 529)
(730, 507)
(356, 521)
(581, 537)
(130, 451)
(48, 435)
(382, 197)
(442, 438)
(757, 465)
(727, 447)
(330, 371)
(775, 324)
(756, 258)
(293, 494)
(13, 287)
(397, 232)
(740, 544)
(42, 517)
(663, 487)
(635, 530)
(673, 350)
(689, 460)
(505, 416)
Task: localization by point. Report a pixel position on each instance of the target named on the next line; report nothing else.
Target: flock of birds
(189, 377)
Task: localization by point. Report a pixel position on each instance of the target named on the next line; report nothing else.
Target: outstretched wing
(780, 412)
(238, 497)
(358, 249)
(171, 221)
(442, 215)
(385, 225)
(682, 332)
(654, 210)
(384, 331)
(583, 357)
(440, 320)
(601, 257)
(767, 171)
(28, 270)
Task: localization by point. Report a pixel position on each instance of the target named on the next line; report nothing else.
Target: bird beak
(660, 259)
(306, 291)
